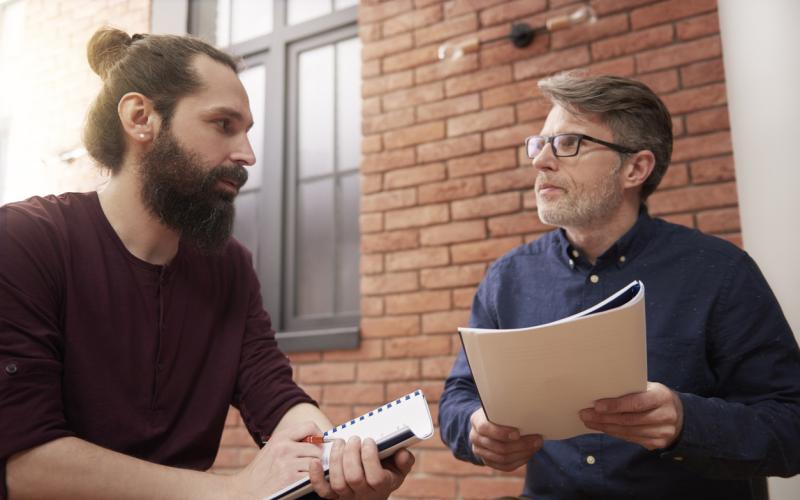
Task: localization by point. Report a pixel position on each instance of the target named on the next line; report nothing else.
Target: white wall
(760, 43)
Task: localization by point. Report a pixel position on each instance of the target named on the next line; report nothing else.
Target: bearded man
(722, 406)
(130, 320)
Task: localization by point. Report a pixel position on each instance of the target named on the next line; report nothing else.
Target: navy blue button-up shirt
(715, 334)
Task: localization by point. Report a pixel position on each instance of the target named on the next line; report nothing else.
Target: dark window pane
(347, 279)
(314, 270)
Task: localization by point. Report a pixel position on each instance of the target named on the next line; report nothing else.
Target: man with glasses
(722, 406)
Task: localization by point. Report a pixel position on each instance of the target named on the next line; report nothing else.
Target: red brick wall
(447, 189)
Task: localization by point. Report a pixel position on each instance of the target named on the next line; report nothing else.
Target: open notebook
(397, 424)
(537, 379)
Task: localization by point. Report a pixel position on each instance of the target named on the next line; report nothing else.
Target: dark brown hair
(634, 113)
(157, 66)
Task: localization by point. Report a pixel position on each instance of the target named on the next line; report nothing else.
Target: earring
(141, 136)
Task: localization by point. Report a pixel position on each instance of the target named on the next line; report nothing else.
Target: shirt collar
(620, 253)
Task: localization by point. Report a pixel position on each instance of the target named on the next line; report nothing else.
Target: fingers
(317, 478)
(493, 431)
(654, 396)
(501, 457)
(336, 475)
(298, 432)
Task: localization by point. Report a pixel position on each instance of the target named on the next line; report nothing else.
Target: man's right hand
(282, 461)
(501, 447)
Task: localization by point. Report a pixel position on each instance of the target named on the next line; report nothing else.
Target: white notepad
(397, 424)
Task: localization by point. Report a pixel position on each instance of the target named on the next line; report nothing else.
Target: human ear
(638, 168)
(140, 121)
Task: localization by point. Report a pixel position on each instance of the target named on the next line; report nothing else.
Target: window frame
(275, 50)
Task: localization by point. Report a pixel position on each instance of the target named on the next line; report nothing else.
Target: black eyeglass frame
(550, 139)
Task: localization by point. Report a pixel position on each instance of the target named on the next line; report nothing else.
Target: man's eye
(224, 124)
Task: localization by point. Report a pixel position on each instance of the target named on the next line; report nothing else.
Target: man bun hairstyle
(157, 66)
(636, 116)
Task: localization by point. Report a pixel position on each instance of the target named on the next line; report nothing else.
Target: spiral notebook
(397, 424)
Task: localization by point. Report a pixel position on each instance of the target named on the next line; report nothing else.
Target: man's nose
(546, 159)
(243, 153)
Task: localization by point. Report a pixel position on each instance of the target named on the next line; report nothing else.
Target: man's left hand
(653, 418)
(357, 472)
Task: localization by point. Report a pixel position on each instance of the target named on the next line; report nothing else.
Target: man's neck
(142, 234)
(595, 239)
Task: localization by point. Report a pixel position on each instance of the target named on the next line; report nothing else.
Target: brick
(509, 94)
(304, 357)
(529, 200)
(735, 238)
(372, 13)
(416, 486)
(337, 413)
(681, 219)
(389, 283)
(520, 223)
(371, 68)
(518, 178)
(417, 216)
(458, 7)
(482, 163)
(227, 458)
(387, 121)
(693, 198)
(449, 277)
(503, 52)
(368, 349)
(440, 70)
(663, 12)
(446, 30)
(675, 176)
(535, 109)
(478, 80)
(388, 200)
(326, 372)
(371, 144)
(661, 82)
(432, 389)
(712, 170)
(372, 306)
(603, 7)
(449, 107)
(417, 259)
(631, 43)
(696, 98)
(551, 62)
(455, 189)
(725, 220)
(604, 27)
(623, 66)
(371, 264)
(369, 32)
(370, 223)
(442, 462)
(371, 106)
(703, 72)
(233, 418)
(698, 26)
(236, 436)
(389, 241)
(390, 326)
(411, 59)
(417, 347)
(462, 299)
(484, 251)
(371, 183)
(380, 371)
(678, 128)
(449, 148)
(446, 321)
(414, 176)
(678, 54)
(489, 487)
(375, 50)
(437, 367)
(484, 206)
(387, 83)
(509, 136)
(416, 18)
(511, 11)
(432, 92)
(418, 302)
(454, 232)
(357, 393)
(708, 120)
(413, 135)
(387, 160)
(701, 146)
(480, 121)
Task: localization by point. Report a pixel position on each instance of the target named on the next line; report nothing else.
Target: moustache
(236, 174)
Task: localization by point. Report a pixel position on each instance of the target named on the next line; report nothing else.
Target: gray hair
(636, 116)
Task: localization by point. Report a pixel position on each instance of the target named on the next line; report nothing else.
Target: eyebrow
(225, 110)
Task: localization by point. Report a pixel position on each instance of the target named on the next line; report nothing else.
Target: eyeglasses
(566, 144)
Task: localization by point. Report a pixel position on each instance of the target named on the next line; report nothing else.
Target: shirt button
(575, 254)
(622, 258)
(594, 278)
(590, 459)
(571, 263)
(11, 368)
(678, 458)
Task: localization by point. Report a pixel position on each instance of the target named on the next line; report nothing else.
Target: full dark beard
(184, 195)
